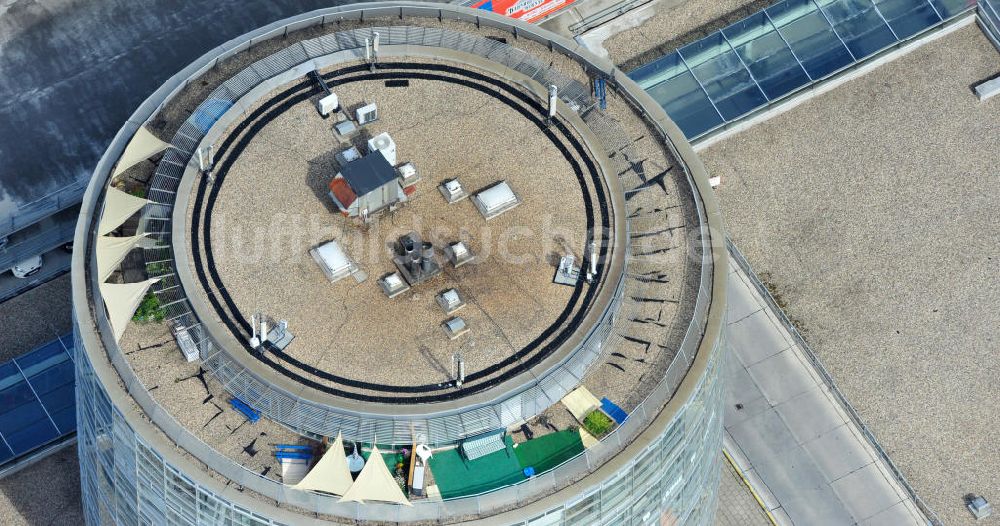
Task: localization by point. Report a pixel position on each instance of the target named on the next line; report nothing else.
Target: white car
(27, 267)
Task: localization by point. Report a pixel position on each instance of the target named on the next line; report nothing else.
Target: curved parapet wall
(615, 475)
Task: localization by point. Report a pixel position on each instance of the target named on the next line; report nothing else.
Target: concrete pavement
(788, 434)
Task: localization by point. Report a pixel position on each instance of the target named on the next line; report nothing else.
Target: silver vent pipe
(427, 252)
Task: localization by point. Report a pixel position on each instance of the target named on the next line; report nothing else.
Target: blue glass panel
(67, 342)
(657, 71)
(13, 396)
(26, 411)
(30, 436)
(766, 56)
(687, 104)
(52, 378)
(859, 25)
(723, 76)
(61, 405)
(65, 419)
(810, 37)
(42, 358)
(5, 452)
(950, 8)
(907, 17)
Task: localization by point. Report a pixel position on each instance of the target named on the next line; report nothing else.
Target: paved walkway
(789, 436)
(737, 506)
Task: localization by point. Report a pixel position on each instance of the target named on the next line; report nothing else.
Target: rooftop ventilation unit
(408, 175)
(978, 506)
(415, 259)
(496, 200)
(383, 143)
(567, 273)
(186, 343)
(334, 262)
(345, 156)
(280, 336)
(366, 114)
(454, 327)
(450, 302)
(452, 191)
(458, 254)
(393, 285)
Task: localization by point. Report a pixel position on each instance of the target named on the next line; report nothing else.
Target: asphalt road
(71, 71)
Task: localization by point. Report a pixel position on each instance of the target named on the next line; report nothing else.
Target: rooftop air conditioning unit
(383, 143)
(328, 104)
(367, 113)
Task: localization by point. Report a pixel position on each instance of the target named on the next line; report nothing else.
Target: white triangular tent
(330, 474)
(118, 207)
(142, 146)
(375, 483)
(111, 251)
(121, 300)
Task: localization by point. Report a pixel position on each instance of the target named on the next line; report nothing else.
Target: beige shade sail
(330, 474)
(111, 251)
(121, 300)
(142, 146)
(375, 483)
(118, 207)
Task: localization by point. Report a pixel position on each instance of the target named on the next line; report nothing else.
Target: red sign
(527, 10)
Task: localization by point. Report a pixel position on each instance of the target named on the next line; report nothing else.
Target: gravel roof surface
(46, 493)
(872, 211)
(34, 317)
(672, 24)
(276, 194)
(200, 403)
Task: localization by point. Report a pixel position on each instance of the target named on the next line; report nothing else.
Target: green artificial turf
(456, 477)
(548, 451)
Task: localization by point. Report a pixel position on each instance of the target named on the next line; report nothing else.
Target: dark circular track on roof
(530, 355)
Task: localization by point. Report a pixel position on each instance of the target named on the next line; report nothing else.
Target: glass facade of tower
(126, 481)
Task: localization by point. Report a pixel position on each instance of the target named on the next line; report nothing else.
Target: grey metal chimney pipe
(427, 252)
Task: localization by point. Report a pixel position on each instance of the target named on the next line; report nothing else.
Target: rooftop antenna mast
(254, 340)
(205, 163)
(553, 97)
(459, 364)
(592, 271)
(371, 50)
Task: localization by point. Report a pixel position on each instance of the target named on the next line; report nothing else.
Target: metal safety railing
(158, 216)
(49, 238)
(814, 360)
(30, 213)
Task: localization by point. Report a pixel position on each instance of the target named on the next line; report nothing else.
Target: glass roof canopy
(37, 399)
(777, 51)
